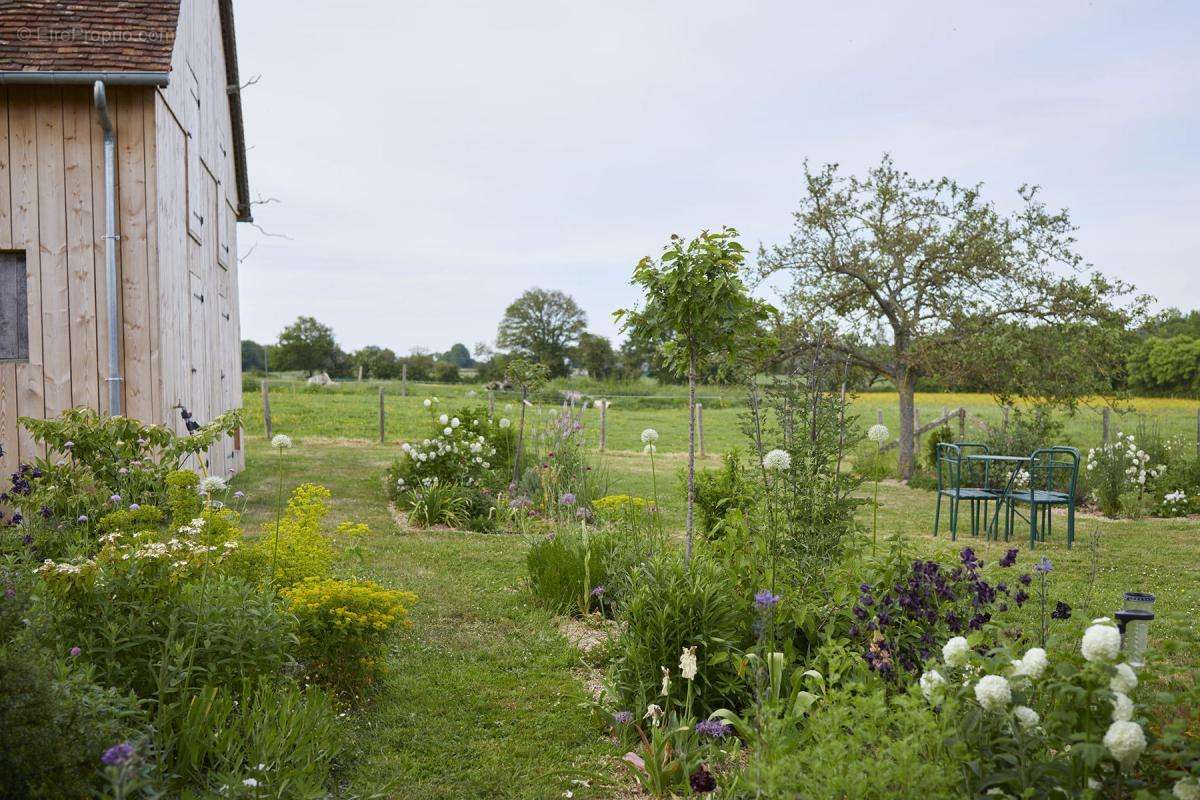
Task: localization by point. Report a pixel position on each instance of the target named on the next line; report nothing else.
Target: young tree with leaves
(913, 278)
(528, 377)
(698, 309)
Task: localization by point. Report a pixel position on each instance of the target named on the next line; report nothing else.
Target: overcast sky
(434, 159)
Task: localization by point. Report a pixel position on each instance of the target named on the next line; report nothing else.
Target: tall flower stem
(875, 516)
(278, 516)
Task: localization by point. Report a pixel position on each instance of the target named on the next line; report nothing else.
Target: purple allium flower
(10, 592)
(1043, 565)
(239, 495)
(623, 717)
(1009, 558)
(765, 600)
(1061, 611)
(568, 499)
(117, 755)
(75, 651)
(82, 520)
(598, 591)
(67, 445)
(714, 728)
(134, 506)
(116, 498)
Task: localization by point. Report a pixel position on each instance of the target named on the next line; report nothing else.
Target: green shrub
(942, 435)
(294, 547)
(733, 487)
(283, 737)
(54, 725)
(344, 626)
(131, 519)
(183, 496)
(672, 606)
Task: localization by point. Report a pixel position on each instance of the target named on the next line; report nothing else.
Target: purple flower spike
(765, 600)
(1043, 565)
(623, 717)
(714, 728)
(598, 591)
(567, 499)
(75, 651)
(117, 755)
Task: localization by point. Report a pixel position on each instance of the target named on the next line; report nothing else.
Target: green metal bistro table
(1015, 464)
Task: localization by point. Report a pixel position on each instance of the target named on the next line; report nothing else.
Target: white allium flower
(931, 682)
(956, 652)
(1101, 643)
(211, 484)
(454, 423)
(1122, 707)
(648, 449)
(1186, 789)
(1027, 718)
(281, 441)
(1125, 680)
(777, 460)
(878, 434)
(687, 663)
(993, 692)
(427, 402)
(444, 419)
(1032, 664)
(649, 436)
(447, 431)
(505, 422)
(1126, 741)
(251, 782)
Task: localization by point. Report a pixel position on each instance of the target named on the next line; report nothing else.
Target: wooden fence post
(382, 422)
(1198, 433)
(360, 366)
(879, 416)
(1104, 423)
(700, 427)
(266, 393)
(491, 403)
(1004, 424)
(404, 380)
(962, 423)
(603, 404)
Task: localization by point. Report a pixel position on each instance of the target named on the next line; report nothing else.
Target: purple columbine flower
(1061, 611)
(1043, 565)
(1025, 579)
(75, 651)
(598, 591)
(568, 499)
(1009, 558)
(714, 728)
(623, 717)
(765, 600)
(117, 755)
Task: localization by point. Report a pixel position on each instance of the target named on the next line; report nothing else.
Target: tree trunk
(906, 386)
(691, 482)
(520, 441)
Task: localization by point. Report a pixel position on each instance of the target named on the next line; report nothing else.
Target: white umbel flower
(1126, 741)
(281, 441)
(993, 692)
(687, 663)
(1125, 680)
(956, 652)
(931, 683)
(649, 436)
(777, 460)
(1101, 642)
(878, 434)
(1186, 789)
(1027, 718)
(211, 484)
(1122, 707)
(1032, 664)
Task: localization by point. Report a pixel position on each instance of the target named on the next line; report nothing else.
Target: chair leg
(1033, 531)
(1070, 523)
(937, 513)
(953, 519)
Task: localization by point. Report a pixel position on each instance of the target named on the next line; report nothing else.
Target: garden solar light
(1134, 622)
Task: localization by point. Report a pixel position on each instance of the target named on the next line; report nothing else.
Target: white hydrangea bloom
(1125, 741)
(1101, 642)
(956, 652)
(281, 441)
(931, 682)
(1032, 664)
(649, 436)
(1027, 718)
(993, 692)
(878, 434)
(1125, 680)
(777, 460)
(1186, 789)
(1122, 707)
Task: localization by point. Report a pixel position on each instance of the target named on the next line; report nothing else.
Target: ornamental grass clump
(343, 629)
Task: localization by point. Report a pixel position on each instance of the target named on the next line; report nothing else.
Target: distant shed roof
(87, 35)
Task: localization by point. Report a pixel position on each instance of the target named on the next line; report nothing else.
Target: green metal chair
(953, 484)
(1053, 479)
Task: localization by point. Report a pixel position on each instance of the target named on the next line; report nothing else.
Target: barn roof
(116, 41)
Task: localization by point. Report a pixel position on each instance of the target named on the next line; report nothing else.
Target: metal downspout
(110, 252)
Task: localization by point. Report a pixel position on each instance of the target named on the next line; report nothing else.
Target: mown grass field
(351, 411)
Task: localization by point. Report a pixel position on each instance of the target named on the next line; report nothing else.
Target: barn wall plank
(81, 257)
(52, 233)
(8, 372)
(131, 165)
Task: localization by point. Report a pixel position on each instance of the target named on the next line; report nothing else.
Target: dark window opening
(14, 306)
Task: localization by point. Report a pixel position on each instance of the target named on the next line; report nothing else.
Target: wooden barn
(122, 178)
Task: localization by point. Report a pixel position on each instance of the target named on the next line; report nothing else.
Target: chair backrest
(1054, 469)
(976, 471)
(948, 466)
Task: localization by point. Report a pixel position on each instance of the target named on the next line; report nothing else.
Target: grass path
(480, 701)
